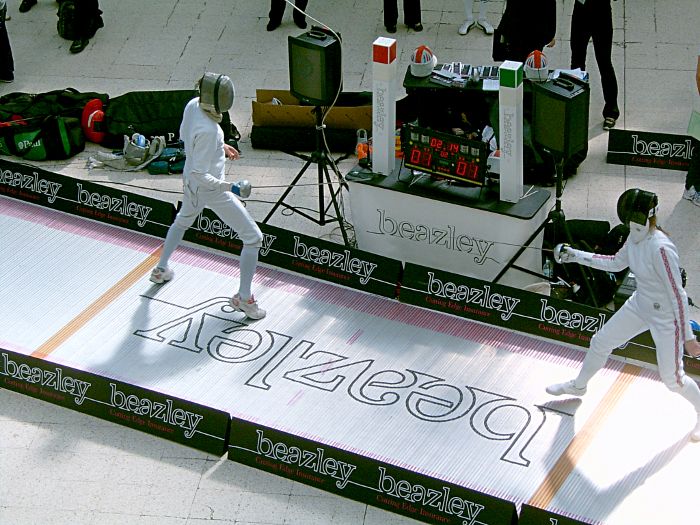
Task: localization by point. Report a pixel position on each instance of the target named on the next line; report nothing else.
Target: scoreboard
(444, 154)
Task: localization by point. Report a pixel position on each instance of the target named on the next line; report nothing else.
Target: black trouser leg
(580, 35)
(588, 22)
(411, 12)
(7, 65)
(602, 45)
(277, 10)
(298, 16)
(693, 176)
(89, 19)
(391, 12)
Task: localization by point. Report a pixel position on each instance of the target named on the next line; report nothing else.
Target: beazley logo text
(162, 411)
(313, 460)
(340, 260)
(443, 236)
(120, 205)
(30, 182)
(54, 378)
(481, 296)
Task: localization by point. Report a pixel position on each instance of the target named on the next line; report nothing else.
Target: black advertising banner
(85, 199)
(530, 515)
(649, 149)
(369, 481)
(324, 260)
(332, 262)
(164, 416)
(512, 308)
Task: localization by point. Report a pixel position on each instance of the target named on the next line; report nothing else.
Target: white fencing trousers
(225, 204)
(668, 338)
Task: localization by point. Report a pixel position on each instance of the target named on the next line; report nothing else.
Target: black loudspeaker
(315, 68)
(560, 115)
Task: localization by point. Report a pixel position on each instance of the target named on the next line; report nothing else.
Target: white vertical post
(384, 69)
(510, 126)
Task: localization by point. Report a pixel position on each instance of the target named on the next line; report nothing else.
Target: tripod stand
(321, 159)
(558, 219)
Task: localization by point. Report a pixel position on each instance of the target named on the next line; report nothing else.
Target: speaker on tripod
(315, 78)
(560, 127)
(315, 74)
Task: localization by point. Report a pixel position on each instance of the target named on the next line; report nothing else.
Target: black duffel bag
(66, 102)
(151, 113)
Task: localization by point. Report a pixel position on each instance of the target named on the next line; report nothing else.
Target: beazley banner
(85, 199)
(519, 310)
(159, 414)
(364, 479)
(649, 149)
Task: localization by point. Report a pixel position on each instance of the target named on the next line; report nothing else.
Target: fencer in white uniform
(204, 184)
(659, 303)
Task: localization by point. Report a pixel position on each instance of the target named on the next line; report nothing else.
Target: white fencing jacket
(655, 263)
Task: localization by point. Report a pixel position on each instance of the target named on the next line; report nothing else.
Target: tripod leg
(287, 191)
(336, 207)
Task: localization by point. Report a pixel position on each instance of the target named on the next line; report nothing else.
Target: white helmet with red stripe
(535, 67)
(422, 61)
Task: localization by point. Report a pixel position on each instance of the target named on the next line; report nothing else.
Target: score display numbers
(443, 154)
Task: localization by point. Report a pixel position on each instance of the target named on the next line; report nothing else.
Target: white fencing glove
(563, 253)
(241, 188)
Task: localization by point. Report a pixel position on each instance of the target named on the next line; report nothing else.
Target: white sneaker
(695, 434)
(690, 193)
(485, 26)
(249, 307)
(466, 26)
(696, 198)
(161, 275)
(568, 388)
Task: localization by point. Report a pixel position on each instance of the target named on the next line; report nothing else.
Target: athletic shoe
(485, 26)
(249, 307)
(690, 193)
(695, 434)
(161, 275)
(696, 199)
(416, 27)
(467, 26)
(568, 388)
(609, 123)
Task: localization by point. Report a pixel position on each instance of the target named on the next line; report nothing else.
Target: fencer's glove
(563, 253)
(241, 188)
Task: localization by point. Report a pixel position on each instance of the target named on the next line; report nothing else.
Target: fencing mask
(216, 94)
(634, 208)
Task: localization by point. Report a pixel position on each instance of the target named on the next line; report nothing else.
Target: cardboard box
(292, 114)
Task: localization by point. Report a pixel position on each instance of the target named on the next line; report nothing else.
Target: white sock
(248, 263)
(691, 392)
(591, 364)
(172, 239)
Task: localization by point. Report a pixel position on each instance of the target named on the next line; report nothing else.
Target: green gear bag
(53, 138)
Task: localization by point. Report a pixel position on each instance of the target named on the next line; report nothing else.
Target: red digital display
(443, 154)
